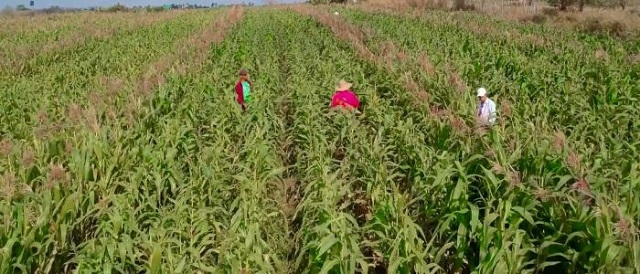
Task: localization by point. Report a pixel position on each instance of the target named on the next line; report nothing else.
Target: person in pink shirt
(344, 98)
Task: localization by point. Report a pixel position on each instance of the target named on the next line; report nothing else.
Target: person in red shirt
(243, 89)
(345, 98)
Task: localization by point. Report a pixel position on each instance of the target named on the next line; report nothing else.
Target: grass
(125, 151)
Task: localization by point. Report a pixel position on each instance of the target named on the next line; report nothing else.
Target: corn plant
(520, 160)
(128, 153)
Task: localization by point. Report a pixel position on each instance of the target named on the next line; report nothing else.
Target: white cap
(482, 92)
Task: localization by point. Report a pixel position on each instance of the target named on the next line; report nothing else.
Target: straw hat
(243, 71)
(343, 85)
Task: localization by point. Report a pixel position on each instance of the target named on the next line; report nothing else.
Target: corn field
(124, 151)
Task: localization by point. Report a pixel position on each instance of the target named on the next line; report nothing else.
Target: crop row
(593, 158)
(513, 68)
(26, 51)
(102, 173)
(69, 169)
(86, 72)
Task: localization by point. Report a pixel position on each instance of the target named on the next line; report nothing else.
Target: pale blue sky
(39, 4)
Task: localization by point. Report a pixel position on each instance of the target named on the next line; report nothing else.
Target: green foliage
(510, 203)
(100, 173)
(21, 8)
(117, 8)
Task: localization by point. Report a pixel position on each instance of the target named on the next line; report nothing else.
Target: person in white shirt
(486, 110)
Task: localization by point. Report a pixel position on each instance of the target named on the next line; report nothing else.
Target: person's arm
(492, 113)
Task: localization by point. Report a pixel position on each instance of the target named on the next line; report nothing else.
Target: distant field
(123, 150)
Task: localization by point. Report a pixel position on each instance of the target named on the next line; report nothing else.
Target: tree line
(118, 8)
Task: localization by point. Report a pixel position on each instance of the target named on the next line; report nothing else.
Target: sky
(40, 4)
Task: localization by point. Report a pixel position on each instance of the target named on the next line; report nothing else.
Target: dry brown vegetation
(615, 21)
(608, 18)
(10, 24)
